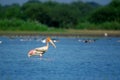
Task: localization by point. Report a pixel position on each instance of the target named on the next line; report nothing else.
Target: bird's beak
(52, 43)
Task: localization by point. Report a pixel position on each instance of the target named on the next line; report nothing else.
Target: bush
(20, 25)
(102, 26)
(110, 26)
(86, 25)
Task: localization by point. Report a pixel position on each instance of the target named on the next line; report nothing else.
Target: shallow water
(71, 60)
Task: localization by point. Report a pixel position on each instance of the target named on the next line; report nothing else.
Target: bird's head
(48, 39)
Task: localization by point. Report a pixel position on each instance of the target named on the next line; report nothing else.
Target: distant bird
(118, 41)
(54, 40)
(43, 40)
(87, 40)
(0, 42)
(41, 50)
(105, 34)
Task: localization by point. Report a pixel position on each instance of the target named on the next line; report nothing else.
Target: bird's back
(44, 48)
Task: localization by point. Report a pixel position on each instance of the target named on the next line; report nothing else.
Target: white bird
(43, 40)
(41, 50)
(54, 40)
(105, 34)
(0, 42)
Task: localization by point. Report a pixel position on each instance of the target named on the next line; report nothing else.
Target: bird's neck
(47, 44)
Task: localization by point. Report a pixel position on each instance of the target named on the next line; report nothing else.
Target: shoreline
(69, 33)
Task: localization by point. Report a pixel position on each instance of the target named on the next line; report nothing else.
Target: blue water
(71, 60)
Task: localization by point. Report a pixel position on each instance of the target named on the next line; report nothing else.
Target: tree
(108, 13)
(59, 15)
(35, 11)
(12, 11)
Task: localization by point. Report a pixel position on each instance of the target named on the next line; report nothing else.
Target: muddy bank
(65, 34)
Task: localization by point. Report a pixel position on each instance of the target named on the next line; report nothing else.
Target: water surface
(73, 59)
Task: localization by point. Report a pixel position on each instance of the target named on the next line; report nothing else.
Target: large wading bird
(41, 50)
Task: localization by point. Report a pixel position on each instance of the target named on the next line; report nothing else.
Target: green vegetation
(20, 25)
(35, 15)
(109, 13)
(101, 26)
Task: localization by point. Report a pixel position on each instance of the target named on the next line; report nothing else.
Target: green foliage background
(35, 15)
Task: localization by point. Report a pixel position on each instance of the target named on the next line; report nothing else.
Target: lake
(73, 59)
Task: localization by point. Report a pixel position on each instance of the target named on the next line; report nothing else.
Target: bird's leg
(41, 55)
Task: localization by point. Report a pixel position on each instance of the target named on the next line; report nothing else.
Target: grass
(20, 27)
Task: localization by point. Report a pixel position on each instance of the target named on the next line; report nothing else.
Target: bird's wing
(41, 49)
